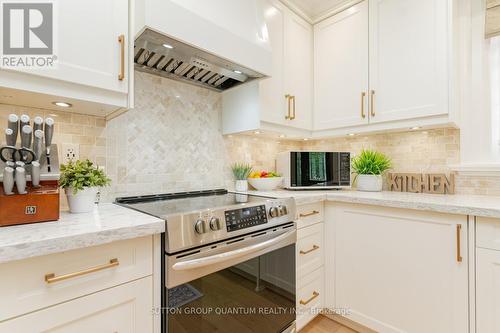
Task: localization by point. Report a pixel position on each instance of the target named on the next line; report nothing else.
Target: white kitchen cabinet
(341, 69)
(409, 67)
(282, 102)
(397, 270)
(126, 309)
(92, 60)
(384, 65)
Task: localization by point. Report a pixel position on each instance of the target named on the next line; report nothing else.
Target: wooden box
(39, 205)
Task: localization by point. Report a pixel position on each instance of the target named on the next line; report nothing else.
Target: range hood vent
(161, 55)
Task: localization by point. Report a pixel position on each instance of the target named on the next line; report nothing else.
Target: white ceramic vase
(241, 186)
(83, 201)
(369, 183)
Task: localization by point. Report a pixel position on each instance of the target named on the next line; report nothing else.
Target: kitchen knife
(8, 180)
(35, 174)
(13, 124)
(37, 123)
(9, 137)
(26, 136)
(49, 133)
(21, 180)
(38, 144)
(25, 120)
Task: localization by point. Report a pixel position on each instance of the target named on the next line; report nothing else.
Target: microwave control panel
(247, 217)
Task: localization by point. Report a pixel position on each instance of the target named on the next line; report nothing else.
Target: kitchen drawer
(123, 309)
(310, 247)
(309, 214)
(488, 233)
(23, 283)
(310, 297)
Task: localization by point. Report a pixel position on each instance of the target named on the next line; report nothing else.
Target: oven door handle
(218, 258)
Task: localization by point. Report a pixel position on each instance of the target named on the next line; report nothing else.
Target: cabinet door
(397, 270)
(341, 69)
(87, 47)
(299, 69)
(487, 291)
(125, 309)
(272, 98)
(408, 59)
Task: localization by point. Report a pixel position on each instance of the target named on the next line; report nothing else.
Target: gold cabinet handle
(314, 212)
(363, 95)
(459, 246)
(315, 294)
(288, 100)
(51, 278)
(121, 40)
(314, 248)
(372, 107)
(293, 105)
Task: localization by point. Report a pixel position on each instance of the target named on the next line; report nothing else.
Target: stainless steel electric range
(229, 262)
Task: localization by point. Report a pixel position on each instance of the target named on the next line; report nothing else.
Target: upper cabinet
(283, 101)
(408, 59)
(92, 70)
(383, 64)
(341, 69)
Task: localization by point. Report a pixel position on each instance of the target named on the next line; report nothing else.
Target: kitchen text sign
(436, 183)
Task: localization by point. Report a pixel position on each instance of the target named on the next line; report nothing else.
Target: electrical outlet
(70, 152)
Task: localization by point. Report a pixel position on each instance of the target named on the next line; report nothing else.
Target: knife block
(40, 204)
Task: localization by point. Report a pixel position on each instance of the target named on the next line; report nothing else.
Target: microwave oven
(303, 170)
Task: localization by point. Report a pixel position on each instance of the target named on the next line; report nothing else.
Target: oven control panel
(247, 217)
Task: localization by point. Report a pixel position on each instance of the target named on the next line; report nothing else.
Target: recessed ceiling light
(305, 139)
(62, 104)
(351, 134)
(237, 72)
(256, 132)
(415, 128)
(168, 46)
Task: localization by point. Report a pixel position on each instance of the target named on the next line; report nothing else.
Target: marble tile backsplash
(172, 141)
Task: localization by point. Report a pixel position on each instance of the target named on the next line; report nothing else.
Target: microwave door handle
(218, 258)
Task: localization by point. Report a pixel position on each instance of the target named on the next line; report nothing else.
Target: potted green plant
(241, 171)
(81, 181)
(369, 166)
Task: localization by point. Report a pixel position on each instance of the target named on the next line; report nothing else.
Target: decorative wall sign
(436, 183)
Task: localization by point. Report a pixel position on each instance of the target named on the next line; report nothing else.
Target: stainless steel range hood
(159, 54)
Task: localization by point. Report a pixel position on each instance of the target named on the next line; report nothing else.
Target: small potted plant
(241, 171)
(369, 166)
(81, 181)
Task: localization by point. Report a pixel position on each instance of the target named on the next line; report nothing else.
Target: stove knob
(199, 226)
(215, 223)
(274, 212)
(282, 210)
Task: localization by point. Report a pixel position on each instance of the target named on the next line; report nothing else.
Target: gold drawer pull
(51, 278)
(314, 212)
(314, 248)
(363, 95)
(315, 294)
(459, 251)
(372, 102)
(121, 40)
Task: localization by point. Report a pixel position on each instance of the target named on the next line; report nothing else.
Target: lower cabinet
(487, 275)
(125, 309)
(396, 270)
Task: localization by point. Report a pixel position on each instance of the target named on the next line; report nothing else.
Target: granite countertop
(477, 205)
(107, 223)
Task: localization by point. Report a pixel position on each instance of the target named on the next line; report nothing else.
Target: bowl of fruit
(265, 181)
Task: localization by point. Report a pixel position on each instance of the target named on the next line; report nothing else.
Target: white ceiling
(315, 8)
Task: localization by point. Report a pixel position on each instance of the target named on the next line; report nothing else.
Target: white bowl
(265, 184)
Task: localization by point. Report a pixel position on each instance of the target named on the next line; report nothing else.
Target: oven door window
(255, 296)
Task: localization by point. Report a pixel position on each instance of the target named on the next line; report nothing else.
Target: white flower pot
(241, 186)
(369, 183)
(83, 201)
